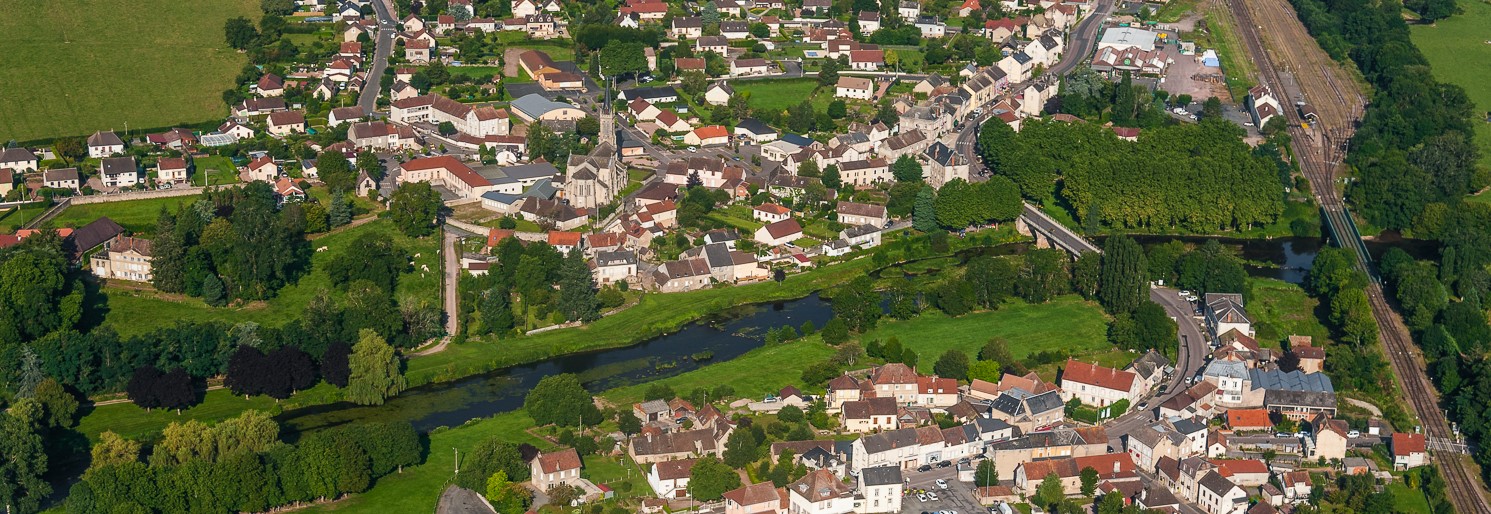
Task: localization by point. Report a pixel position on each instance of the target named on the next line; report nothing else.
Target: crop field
(70, 68)
(1459, 52)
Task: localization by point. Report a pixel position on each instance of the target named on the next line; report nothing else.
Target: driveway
(958, 497)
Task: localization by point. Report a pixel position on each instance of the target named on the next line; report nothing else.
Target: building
(1409, 451)
(820, 492)
(556, 468)
(19, 160)
(670, 479)
(709, 135)
(596, 178)
(770, 213)
(534, 107)
(437, 109)
(1113, 467)
(719, 93)
(123, 258)
(866, 60)
(119, 172)
(614, 266)
(1225, 313)
(171, 169)
(761, 498)
(284, 123)
(869, 415)
(753, 130)
(103, 144)
(1097, 386)
(880, 490)
(779, 233)
(381, 135)
(857, 88)
(852, 213)
(1121, 38)
(60, 178)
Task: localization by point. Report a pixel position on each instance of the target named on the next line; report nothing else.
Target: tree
(906, 169)
(446, 128)
(622, 57)
(336, 171)
(1122, 287)
(376, 374)
(336, 366)
(495, 311)
(1050, 491)
(952, 364)
(560, 400)
(710, 479)
(829, 73)
(340, 211)
(1212, 108)
(1153, 327)
(577, 289)
(831, 178)
(491, 456)
(1087, 272)
(837, 109)
(835, 332)
(985, 475)
(924, 217)
(988, 371)
(740, 449)
(70, 149)
(506, 496)
(24, 486)
(1089, 481)
(414, 208)
(58, 405)
(112, 449)
(240, 33)
(628, 423)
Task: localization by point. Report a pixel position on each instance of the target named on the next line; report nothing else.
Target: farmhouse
(855, 88)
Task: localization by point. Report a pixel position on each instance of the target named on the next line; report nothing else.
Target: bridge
(1048, 233)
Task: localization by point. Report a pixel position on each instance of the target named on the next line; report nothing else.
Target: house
(534, 107)
(670, 479)
(90, 236)
(119, 172)
(866, 60)
(687, 64)
(1216, 494)
(284, 123)
(7, 184)
(770, 213)
(1262, 105)
(342, 115)
(1249, 420)
(249, 107)
(18, 159)
(1225, 312)
(171, 169)
(1243, 472)
(60, 178)
(909, 9)
(719, 93)
(233, 128)
(123, 258)
(709, 135)
(779, 233)
(1028, 412)
(554, 468)
(682, 275)
(753, 130)
(1409, 451)
(1311, 358)
(733, 30)
(270, 85)
(881, 488)
(869, 415)
(287, 190)
(380, 135)
(262, 169)
(748, 67)
(855, 88)
(869, 22)
(465, 118)
(643, 110)
(759, 498)
(863, 236)
(820, 492)
(1095, 385)
(1111, 467)
(931, 27)
(564, 242)
(1329, 438)
(716, 44)
(687, 27)
(614, 266)
(658, 447)
(853, 213)
(936, 392)
(103, 144)
(418, 51)
(968, 7)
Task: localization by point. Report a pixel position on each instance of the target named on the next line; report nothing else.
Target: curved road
(1193, 352)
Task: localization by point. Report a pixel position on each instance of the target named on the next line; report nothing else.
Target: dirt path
(451, 301)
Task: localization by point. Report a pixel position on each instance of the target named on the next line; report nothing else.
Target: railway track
(1338, 109)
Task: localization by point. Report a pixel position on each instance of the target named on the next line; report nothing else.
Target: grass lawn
(418, 488)
(11, 219)
(137, 216)
(1174, 11)
(758, 372)
(1408, 500)
(777, 94)
(1458, 54)
(1282, 309)
(475, 71)
(1239, 70)
(74, 68)
(738, 216)
(215, 171)
(1028, 328)
(132, 311)
(133, 422)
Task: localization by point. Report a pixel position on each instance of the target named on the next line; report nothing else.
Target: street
(373, 86)
(1192, 356)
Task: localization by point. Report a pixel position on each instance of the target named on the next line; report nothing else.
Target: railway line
(1338, 104)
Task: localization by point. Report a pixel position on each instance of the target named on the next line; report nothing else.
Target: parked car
(1354, 433)
(942, 483)
(921, 496)
(931, 496)
(925, 468)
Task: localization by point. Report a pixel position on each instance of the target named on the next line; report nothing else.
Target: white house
(1095, 385)
(855, 87)
(555, 468)
(1409, 451)
(119, 172)
(670, 479)
(779, 233)
(60, 178)
(262, 169)
(770, 213)
(881, 488)
(820, 492)
(103, 144)
(18, 159)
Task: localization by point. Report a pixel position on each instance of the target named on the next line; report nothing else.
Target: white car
(921, 496)
(941, 483)
(1184, 293)
(931, 496)
(1354, 433)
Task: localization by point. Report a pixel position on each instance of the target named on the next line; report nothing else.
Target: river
(724, 336)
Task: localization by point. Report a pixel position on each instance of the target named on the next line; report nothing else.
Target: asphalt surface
(1193, 352)
(958, 497)
(1084, 38)
(1064, 236)
(374, 84)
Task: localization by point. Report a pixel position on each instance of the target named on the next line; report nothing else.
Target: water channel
(723, 336)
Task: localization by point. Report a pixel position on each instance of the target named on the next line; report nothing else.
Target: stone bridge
(1048, 233)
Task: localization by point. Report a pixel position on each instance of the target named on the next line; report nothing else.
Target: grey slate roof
(884, 475)
(1291, 381)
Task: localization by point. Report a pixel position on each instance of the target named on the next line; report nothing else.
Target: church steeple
(608, 119)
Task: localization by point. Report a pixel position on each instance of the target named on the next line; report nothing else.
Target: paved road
(1065, 237)
(373, 87)
(1084, 38)
(1193, 351)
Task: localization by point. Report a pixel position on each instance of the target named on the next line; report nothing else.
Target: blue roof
(535, 105)
(543, 189)
(504, 198)
(796, 139)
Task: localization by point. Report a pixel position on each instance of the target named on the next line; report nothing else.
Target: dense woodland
(1416, 162)
(1198, 178)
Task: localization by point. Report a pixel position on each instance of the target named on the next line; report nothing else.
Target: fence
(138, 195)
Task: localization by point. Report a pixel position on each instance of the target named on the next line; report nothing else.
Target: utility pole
(458, 460)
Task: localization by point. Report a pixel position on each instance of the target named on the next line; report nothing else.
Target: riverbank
(654, 315)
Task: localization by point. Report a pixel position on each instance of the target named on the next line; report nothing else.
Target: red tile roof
(936, 385)
(1236, 467)
(452, 165)
(772, 208)
(1408, 444)
(496, 235)
(1248, 418)
(1092, 374)
(557, 238)
(711, 132)
(783, 228)
(562, 460)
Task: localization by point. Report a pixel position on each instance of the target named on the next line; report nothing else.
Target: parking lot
(957, 498)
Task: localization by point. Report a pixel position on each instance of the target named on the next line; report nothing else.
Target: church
(596, 178)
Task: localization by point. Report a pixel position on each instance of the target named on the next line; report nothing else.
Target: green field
(11, 219)
(215, 171)
(1458, 54)
(1281, 309)
(71, 68)
(1028, 328)
(777, 94)
(132, 311)
(137, 216)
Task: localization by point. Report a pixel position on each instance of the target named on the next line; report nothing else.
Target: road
(1066, 238)
(1084, 38)
(450, 295)
(373, 86)
(1192, 356)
